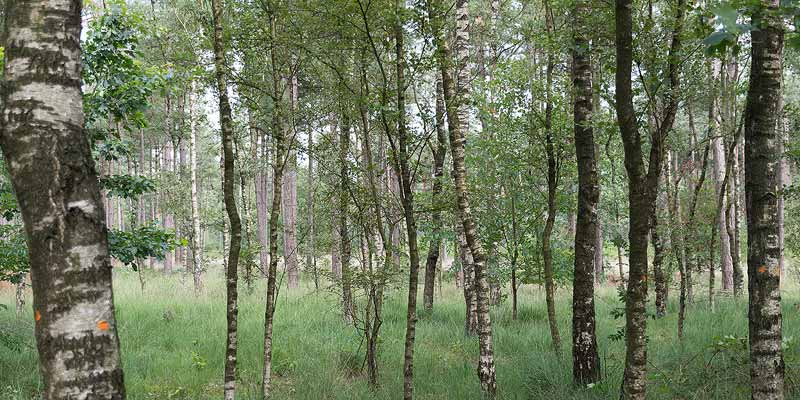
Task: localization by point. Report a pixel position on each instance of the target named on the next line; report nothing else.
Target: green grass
(180, 357)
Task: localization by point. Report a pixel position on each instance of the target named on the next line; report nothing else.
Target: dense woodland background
(360, 198)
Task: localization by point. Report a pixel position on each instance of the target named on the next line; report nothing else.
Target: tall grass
(173, 347)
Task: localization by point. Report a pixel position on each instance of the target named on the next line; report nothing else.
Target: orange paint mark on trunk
(102, 325)
(762, 269)
(37, 316)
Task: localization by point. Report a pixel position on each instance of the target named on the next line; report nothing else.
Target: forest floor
(173, 346)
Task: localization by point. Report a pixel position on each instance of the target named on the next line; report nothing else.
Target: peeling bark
(455, 95)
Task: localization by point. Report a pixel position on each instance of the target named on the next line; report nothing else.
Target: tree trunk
(169, 219)
(20, 294)
(229, 193)
(195, 238)
(468, 275)
(552, 192)
(585, 360)
(726, 264)
(311, 258)
(55, 181)
(733, 228)
(407, 200)
(455, 95)
(659, 239)
(280, 155)
(289, 197)
(344, 204)
(262, 199)
(336, 245)
(689, 240)
(763, 191)
(642, 186)
(436, 193)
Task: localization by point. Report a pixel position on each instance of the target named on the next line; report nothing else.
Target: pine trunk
(289, 197)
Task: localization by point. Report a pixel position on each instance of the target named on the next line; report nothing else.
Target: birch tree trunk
(311, 258)
(229, 193)
(169, 219)
(585, 360)
(455, 94)
(262, 199)
(277, 184)
(55, 181)
(763, 192)
(468, 276)
(195, 239)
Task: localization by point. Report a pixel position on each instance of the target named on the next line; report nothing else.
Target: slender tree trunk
(169, 219)
(763, 192)
(311, 258)
(552, 191)
(733, 230)
(585, 360)
(336, 246)
(514, 257)
(678, 244)
(468, 275)
(262, 199)
(599, 262)
(436, 192)
(659, 239)
(689, 240)
(280, 155)
(289, 196)
(372, 320)
(55, 181)
(726, 264)
(407, 200)
(195, 239)
(455, 95)
(248, 265)
(345, 247)
(229, 193)
(642, 186)
(713, 129)
(20, 294)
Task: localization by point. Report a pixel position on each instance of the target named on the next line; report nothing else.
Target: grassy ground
(173, 345)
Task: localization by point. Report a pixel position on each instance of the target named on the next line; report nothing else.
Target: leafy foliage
(119, 85)
(13, 253)
(140, 243)
(127, 186)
